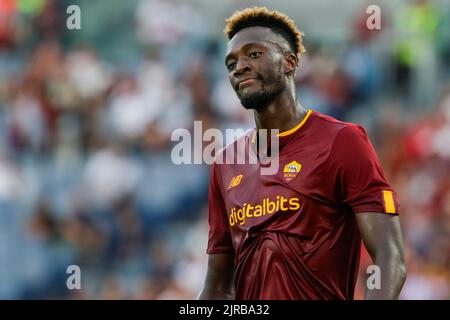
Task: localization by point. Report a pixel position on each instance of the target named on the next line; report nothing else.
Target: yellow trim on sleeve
(288, 132)
(389, 206)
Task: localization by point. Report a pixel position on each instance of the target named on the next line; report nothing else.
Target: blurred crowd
(85, 143)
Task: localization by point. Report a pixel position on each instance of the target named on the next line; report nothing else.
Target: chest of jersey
(254, 200)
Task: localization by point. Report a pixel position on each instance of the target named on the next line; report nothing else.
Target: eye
(255, 54)
(231, 65)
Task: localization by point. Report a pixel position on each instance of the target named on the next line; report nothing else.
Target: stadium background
(86, 117)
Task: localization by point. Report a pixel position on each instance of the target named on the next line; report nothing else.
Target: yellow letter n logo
(235, 181)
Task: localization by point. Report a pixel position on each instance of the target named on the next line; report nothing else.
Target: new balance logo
(235, 181)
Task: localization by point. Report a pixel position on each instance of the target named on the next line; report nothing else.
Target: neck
(283, 113)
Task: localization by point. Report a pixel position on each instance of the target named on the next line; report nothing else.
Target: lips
(246, 82)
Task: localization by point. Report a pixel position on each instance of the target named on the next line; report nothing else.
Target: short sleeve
(360, 180)
(219, 230)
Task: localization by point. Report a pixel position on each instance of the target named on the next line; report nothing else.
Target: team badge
(291, 170)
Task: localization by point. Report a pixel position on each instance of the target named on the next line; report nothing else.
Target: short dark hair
(261, 16)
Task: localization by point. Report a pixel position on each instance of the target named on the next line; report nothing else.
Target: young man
(295, 234)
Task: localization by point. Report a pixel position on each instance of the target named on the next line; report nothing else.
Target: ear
(290, 63)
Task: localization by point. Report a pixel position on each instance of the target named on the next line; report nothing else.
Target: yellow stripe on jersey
(389, 206)
(288, 132)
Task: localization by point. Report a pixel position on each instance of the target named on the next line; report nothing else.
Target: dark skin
(264, 59)
(252, 53)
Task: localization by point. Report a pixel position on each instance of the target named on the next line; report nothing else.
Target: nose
(242, 66)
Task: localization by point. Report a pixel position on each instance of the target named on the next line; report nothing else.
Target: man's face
(255, 66)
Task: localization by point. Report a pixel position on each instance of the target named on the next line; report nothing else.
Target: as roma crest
(291, 170)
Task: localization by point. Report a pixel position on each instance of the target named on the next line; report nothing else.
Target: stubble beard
(261, 99)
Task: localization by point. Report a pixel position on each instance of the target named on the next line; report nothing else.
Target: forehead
(251, 35)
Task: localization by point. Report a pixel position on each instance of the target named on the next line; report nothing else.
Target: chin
(257, 104)
(256, 100)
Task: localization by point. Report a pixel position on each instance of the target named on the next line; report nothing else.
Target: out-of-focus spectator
(109, 176)
(415, 50)
(8, 13)
(87, 72)
(166, 22)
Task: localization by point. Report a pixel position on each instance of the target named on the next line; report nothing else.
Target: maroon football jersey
(294, 234)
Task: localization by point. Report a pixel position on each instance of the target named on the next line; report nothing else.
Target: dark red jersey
(294, 234)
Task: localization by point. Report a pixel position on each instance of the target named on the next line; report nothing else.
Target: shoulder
(334, 131)
(331, 124)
